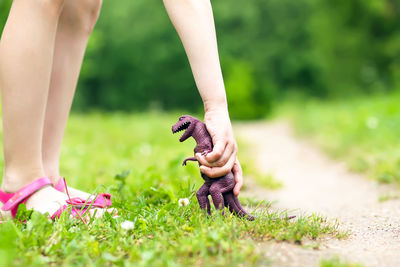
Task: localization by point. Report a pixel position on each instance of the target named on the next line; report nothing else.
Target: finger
(217, 152)
(228, 153)
(214, 172)
(202, 160)
(238, 173)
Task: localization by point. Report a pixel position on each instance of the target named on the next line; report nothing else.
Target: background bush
(270, 50)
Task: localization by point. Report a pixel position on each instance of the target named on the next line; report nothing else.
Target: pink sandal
(12, 200)
(102, 200)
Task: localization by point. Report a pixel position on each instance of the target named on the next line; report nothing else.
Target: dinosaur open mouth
(184, 126)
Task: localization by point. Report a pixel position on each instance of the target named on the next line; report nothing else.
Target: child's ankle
(14, 181)
(52, 173)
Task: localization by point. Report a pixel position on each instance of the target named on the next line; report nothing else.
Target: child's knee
(81, 15)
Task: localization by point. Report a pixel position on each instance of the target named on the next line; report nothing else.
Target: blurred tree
(356, 45)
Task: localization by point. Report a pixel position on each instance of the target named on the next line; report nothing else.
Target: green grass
(364, 132)
(98, 150)
(337, 262)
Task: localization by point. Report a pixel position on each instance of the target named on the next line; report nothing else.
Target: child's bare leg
(75, 25)
(26, 56)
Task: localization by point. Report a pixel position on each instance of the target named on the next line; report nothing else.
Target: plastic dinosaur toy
(221, 188)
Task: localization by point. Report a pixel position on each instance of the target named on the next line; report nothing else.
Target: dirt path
(315, 183)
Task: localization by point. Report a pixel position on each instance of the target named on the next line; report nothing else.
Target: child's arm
(194, 22)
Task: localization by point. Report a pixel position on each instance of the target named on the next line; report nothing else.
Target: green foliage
(356, 45)
(269, 49)
(337, 262)
(97, 150)
(362, 131)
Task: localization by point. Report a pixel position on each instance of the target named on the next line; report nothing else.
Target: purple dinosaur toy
(221, 188)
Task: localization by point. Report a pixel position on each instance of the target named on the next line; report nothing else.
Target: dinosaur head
(187, 123)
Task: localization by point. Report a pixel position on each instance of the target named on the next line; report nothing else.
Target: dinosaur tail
(234, 206)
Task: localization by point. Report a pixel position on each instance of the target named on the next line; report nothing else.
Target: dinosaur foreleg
(191, 159)
(202, 197)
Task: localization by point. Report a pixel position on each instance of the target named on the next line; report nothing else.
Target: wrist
(217, 113)
(219, 105)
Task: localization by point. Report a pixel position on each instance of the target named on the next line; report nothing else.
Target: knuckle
(220, 163)
(218, 154)
(205, 163)
(225, 170)
(214, 173)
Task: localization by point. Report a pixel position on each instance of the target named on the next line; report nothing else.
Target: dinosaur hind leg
(218, 188)
(202, 197)
(217, 199)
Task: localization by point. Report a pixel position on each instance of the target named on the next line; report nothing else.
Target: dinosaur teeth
(185, 125)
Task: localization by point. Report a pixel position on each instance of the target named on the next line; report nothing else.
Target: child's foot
(73, 192)
(47, 200)
(77, 193)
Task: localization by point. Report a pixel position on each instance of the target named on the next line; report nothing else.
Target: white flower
(372, 122)
(127, 225)
(183, 201)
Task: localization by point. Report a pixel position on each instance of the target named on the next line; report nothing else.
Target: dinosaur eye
(181, 118)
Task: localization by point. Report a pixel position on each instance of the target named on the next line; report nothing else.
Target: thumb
(238, 174)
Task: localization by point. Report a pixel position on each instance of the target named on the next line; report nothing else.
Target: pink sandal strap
(102, 200)
(75, 212)
(4, 197)
(60, 186)
(80, 206)
(12, 200)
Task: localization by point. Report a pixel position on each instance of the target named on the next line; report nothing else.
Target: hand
(222, 160)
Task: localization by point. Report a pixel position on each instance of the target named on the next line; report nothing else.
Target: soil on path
(314, 183)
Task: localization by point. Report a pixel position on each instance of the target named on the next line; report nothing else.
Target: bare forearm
(194, 22)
